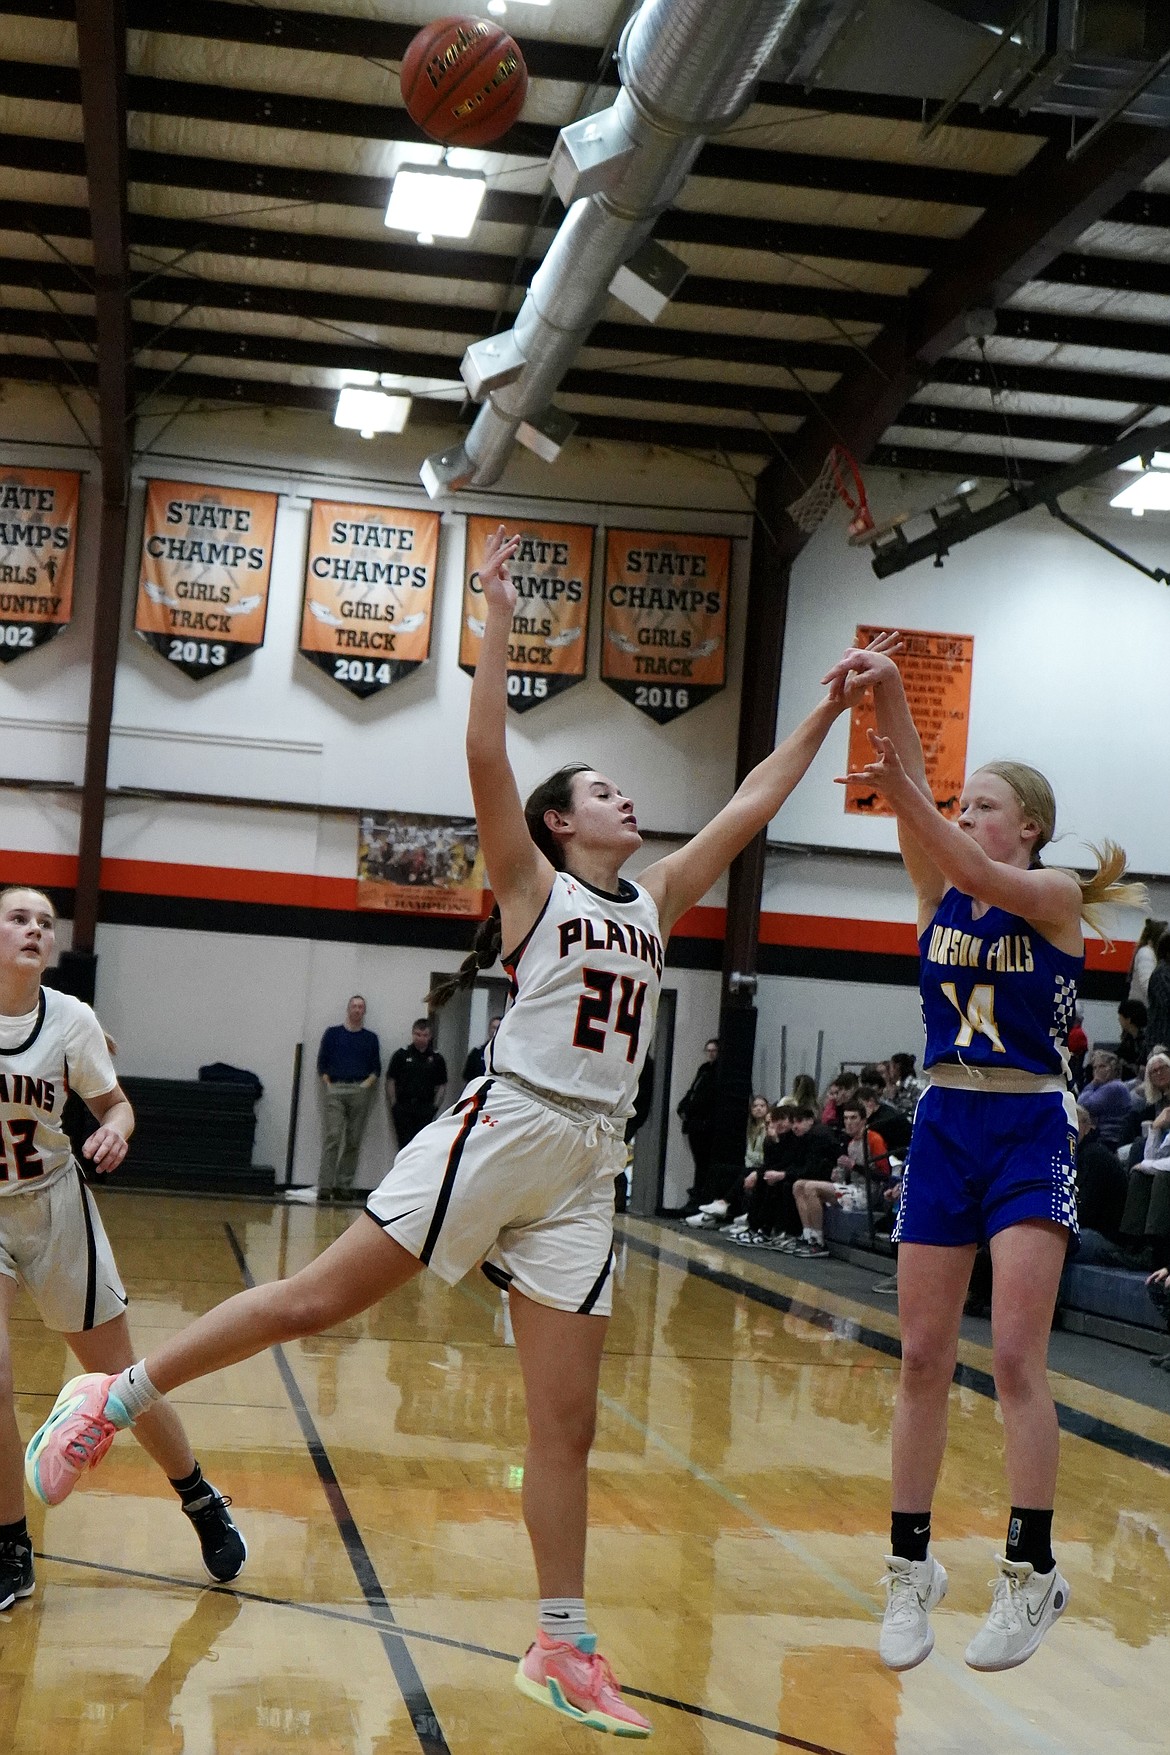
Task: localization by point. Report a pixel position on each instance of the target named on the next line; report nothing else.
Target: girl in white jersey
(519, 1172)
(51, 1236)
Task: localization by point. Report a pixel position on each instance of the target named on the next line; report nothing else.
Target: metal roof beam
(500, 207)
(1048, 206)
(1050, 380)
(883, 179)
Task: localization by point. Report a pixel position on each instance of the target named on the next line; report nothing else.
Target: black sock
(909, 1534)
(1030, 1538)
(193, 1486)
(14, 1532)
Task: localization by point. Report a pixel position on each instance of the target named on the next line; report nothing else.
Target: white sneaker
(1024, 1604)
(913, 1588)
(736, 1228)
(715, 1209)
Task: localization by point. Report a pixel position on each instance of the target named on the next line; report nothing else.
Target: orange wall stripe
(289, 889)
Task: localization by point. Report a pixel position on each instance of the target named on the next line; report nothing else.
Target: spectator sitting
(1145, 957)
(865, 1156)
(1132, 1018)
(1158, 994)
(804, 1091)
(894, 1127)
(1108, 1100)
(908, 1087)
(844, 1085)
(817, 1146)
(1101, 1181)
(731, 1202)
(1153, 1088)
(1146, 1219)
(771, 1210)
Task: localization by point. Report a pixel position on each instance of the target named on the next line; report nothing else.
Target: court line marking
(395, 1630)
(1106, 1433)
(417, 1701)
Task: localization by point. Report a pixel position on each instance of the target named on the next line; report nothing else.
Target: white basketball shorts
(503, 1179)
(53, 1241)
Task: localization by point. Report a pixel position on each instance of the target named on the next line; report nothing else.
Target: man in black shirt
(894, 1127)
(415, 1083)
(475, 1065)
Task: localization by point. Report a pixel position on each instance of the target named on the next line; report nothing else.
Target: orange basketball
(463, 81)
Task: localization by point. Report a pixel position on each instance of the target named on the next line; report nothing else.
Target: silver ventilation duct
(688, 69)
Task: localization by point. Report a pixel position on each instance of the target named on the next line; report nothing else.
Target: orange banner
(936, 674)
(369, 592)
(203, 579)
(38, 542)
(552, 572)
(664, 622)
(409, 863)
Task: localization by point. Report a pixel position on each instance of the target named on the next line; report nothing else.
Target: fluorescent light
(434, 204)
(370, 411)
(1149, 493)
(1160, 460)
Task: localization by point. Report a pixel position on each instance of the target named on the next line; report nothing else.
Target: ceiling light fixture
(370, 411)
(1149, 492)
(434, 204)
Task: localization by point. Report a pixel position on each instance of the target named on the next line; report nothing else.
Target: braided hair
(555, 793)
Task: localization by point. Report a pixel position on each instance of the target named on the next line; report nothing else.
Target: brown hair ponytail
(555, 793)
(485, 948)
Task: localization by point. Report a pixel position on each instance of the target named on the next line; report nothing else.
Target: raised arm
(1051, 899)
(519, 874)
(874, 666)
(681, 879)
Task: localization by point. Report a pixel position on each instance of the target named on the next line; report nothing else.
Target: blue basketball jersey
(995, 993)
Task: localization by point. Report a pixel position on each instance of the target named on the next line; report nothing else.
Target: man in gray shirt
(349, 1063)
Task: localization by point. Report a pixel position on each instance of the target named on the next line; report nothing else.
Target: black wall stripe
(418, 1703)
(434, 932)
(452, 1170)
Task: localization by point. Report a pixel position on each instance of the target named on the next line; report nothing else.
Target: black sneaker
(224, 1548)
(16, 1571)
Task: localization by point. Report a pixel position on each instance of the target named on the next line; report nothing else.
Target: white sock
(564, 1618)
(135, 1391)
(811, 1236)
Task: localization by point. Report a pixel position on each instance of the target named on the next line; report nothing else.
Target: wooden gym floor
(739, 1507)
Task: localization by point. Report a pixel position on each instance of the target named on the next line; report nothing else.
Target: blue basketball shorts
(980, 1161)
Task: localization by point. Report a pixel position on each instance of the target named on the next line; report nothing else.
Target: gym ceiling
(978, 296)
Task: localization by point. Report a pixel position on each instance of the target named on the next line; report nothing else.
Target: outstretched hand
(494, 576)
(885, 773)
(861, 667)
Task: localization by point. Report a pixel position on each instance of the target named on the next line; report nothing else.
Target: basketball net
(839, 478)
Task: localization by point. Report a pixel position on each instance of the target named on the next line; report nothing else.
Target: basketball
(463, 81)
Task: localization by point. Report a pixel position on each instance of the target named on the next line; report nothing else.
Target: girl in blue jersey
(992, 1158)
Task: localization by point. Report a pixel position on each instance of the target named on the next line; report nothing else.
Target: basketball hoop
(839, 479)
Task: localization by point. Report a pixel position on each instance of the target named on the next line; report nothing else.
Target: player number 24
(596, 1004)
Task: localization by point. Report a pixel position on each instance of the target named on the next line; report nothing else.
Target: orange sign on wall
(38, 541)
(552, 572)
(203, 580)
(936, 674)
(664, 623)
(412, 863)
(369, 592)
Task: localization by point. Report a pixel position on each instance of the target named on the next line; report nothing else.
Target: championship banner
(414, 864)
(936, 675)
(203, 581)
(664, 621)
(38, 541)
(552, 571)
(369, 593)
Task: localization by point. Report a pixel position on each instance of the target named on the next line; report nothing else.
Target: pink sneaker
(578, 1682)
(75, 1437)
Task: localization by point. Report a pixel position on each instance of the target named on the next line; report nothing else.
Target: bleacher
(190, 1136)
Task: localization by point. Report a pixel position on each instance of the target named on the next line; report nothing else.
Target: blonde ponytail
(1104, 888)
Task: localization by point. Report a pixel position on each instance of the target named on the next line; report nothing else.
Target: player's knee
(569, 1428)
(924, 1365)
(1016, 1370)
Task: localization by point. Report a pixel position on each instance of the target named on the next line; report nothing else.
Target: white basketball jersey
(585, 985)
(61, 1049)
